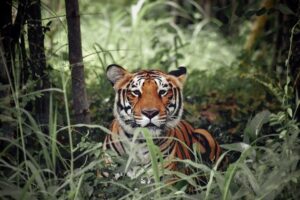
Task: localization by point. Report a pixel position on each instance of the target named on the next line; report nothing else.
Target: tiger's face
(149, 98)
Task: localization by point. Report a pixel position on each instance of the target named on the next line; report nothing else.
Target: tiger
(153, 99)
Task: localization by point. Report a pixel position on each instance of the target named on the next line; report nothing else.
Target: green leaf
(284, 9)
(254, 126)
(154, 153)
(290, 112)
(239, 146)
(282, 134)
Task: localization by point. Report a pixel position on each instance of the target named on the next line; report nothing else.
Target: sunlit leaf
(254, 126)
(240, 146)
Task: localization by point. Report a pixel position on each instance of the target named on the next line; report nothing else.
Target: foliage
(252, 115)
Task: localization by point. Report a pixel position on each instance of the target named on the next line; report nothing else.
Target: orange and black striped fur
(153, 99)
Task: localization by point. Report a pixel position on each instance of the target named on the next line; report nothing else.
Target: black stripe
(187, 132)
(181, 131)
(110, 142)
(118, 101)
(181, 143)
(175, 96)
(187, 136)
(116, 149)
(179, 102)
(147, 151)
(175, 93)
(202, 140)
(161, 141)
(127, 108)
(184, 133)
(128, 135)
(181, 150)
(120, 106)
(172, 105)
(171, 148)
(123, 96)
(130, 82)
(122, 146)
(139, 79)
(216, 147)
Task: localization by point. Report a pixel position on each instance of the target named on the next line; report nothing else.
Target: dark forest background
(56, 104)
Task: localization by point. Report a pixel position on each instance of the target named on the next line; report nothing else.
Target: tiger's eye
(162, 92)
(136, 92)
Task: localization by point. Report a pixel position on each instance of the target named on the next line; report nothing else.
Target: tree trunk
(80, 102)
(258, 26)
(5, 37)
(38, 60)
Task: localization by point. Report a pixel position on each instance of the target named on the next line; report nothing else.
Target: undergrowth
(62, 160)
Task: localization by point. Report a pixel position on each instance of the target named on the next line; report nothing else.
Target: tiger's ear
(115, 72)
(180, 73)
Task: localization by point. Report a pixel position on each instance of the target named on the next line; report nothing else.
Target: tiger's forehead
(158, 77)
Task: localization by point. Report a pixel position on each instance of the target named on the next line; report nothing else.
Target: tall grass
(32, 164)
(261, 172)
(39, 164)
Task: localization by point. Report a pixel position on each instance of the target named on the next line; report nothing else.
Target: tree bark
(258, 26)
(38, 60)
(5, 37)
(80, 102)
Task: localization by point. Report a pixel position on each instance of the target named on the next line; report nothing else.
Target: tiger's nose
(150, 113)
